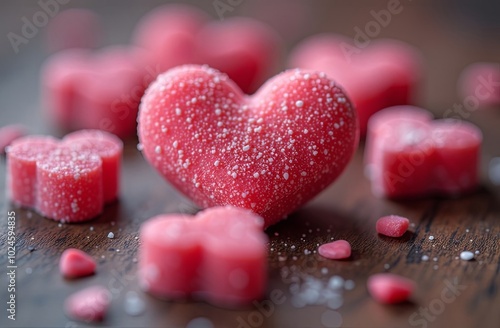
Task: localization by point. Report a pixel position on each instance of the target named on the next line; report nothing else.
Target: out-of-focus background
(450, 35)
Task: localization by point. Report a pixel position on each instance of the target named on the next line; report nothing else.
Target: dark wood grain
(346, 210)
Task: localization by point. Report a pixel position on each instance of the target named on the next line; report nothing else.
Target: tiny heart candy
(409, 155)
(271, 152)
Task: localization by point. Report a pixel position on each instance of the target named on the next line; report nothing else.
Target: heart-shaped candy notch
(410, 155)
(219, 255)
(270, 152)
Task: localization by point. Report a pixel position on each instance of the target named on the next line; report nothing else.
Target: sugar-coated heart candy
(64, 180)
(389, 288)
(409, 155)
(101, 90)
(89, 304)
(219, 255)
(392, 225)
(75, 263)
(245, 49)
(336, 250)
(270, 153)
(10, 133)
(383, 74)
(479, 85)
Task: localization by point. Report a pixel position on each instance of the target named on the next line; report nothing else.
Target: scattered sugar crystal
(134, 305)
(467, 255)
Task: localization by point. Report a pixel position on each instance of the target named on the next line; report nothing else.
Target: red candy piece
(69, 185)
(10, 133)
(84, 90)
(409, 155)
(89, 304)
(390, 288)
(73, 28)
(383, 74)
(377, 122)
(109, 148)
(22, 157)
(336, 250)
(479, 85)
(220, 255)
(64, 180)
(245, 49)
(75, 263)
(392, 225)
(270, 153)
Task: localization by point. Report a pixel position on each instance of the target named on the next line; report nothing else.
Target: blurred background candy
(479, 85)
(73, 28)
(384, 73)
(95, 90)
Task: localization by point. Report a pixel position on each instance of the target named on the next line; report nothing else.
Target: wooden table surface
(450, 293)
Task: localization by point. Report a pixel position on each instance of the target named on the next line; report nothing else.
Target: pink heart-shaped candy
(271, 152)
